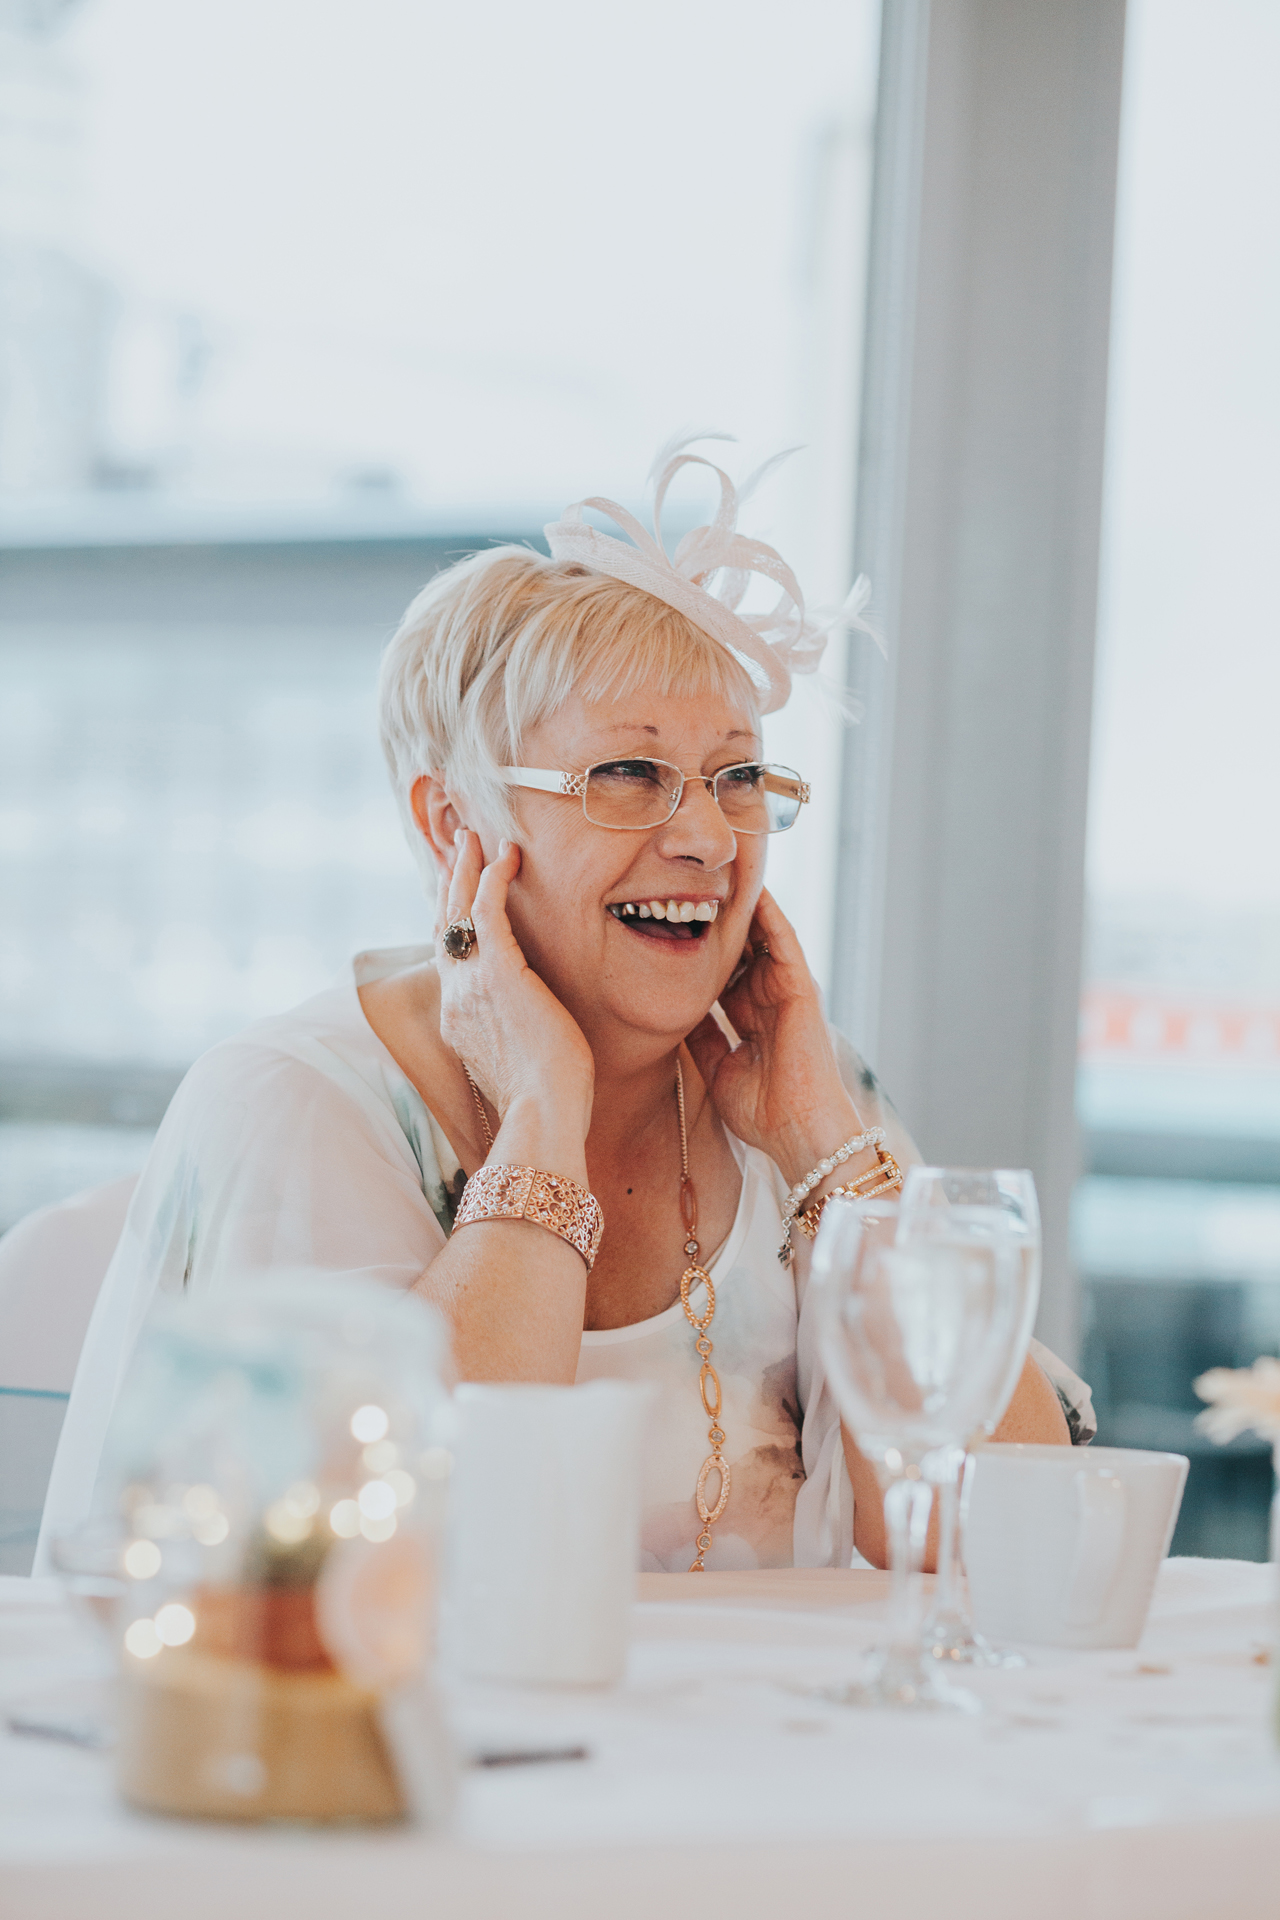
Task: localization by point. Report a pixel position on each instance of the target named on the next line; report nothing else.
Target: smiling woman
(579, 1125)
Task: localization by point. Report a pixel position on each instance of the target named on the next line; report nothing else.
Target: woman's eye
(741, 777)
(623, 772)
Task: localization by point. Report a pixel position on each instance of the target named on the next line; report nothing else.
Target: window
(310, 299)
(1178, 1227)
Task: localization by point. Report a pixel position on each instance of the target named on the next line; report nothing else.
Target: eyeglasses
(633, 795)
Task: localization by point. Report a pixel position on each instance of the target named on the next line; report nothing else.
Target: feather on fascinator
(773, 645)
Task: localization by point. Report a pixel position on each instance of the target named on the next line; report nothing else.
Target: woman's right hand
(518, 1042)
(514, 1295)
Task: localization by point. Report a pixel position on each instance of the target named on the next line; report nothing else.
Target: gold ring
(460, 938)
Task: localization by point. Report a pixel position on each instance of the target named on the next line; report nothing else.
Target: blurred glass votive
(276, 1593)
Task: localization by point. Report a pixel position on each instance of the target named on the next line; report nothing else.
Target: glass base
(953, 1643)
(906, 1679)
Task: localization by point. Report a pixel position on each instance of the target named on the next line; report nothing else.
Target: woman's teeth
(672, 910)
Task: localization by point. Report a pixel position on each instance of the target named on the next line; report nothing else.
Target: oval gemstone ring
(460, 939)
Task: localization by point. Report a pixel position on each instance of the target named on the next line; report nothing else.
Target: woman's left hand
(780, 1088)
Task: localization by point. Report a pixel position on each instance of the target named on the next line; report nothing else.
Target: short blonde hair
(499, 641)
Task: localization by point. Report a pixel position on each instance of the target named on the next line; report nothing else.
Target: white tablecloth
(1093, 1787)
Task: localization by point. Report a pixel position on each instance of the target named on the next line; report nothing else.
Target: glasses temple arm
(540, 779)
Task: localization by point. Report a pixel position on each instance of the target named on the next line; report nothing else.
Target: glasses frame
(574, 786)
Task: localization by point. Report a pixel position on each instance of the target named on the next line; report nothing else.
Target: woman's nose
(698, 830)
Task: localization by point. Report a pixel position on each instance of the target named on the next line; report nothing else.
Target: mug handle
(1101, 1508)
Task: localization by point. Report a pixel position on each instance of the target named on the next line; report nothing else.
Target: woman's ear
(438, 819)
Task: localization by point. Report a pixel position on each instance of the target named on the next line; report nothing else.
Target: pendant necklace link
(692, 1277)
(708, 1379)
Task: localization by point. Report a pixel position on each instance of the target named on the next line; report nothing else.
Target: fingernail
(504, 846)
(459, 836)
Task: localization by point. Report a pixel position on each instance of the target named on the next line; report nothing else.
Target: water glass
(979, 1206)
(915, 1339)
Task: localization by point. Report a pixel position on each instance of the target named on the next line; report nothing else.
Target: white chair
(52, 1264)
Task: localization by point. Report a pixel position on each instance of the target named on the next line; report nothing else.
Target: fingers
(745, 959)
(765, 970)
(770, 927)
(489, 903)
(465, 877)
(708, 1047)
(479, 893)
(467, 987)
(472, 883)
(772, 972)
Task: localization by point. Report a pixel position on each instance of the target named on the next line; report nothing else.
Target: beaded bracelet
(873, 1137)
(547, 1199)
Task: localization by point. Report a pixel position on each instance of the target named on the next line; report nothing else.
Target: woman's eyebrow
(626, 726)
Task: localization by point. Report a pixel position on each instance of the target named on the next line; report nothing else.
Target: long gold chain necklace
(708, 1378)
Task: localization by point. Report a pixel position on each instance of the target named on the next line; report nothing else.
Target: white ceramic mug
(544, 1535)
(1063, 1544)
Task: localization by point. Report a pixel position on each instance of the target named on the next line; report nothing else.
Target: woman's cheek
(748, 886)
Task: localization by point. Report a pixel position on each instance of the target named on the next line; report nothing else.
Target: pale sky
(502, 249)
(1186, 786)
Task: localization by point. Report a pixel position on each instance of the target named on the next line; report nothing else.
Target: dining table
(724, 1778)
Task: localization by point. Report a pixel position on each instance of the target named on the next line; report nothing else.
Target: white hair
(499, 641)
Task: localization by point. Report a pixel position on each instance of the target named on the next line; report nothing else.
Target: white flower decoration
(1245, 1399)
(707, 577)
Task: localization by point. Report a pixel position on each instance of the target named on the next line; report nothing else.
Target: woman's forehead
(658, 724)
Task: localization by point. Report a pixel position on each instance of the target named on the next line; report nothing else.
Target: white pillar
(958, 942)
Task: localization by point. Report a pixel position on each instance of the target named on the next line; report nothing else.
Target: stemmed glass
(915, 1340)
(959, 1205)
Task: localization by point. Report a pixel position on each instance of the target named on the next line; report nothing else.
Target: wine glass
(957, 1205)
(915, 1339)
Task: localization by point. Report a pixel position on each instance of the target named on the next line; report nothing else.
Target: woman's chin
(651, 983)
(663, 992)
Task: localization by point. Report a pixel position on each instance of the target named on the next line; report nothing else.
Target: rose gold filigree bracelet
(547, 1199)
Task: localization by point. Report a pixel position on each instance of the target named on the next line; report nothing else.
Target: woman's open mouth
(667, 919)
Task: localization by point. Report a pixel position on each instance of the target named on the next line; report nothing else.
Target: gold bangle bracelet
(547, 1199)
(886, 1175)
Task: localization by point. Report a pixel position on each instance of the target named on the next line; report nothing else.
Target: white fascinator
(708, 576)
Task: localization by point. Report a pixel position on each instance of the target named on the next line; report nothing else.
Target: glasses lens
(632, 793)
(759, 799)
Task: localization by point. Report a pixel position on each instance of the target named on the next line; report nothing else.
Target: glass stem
(906, 1511)
(921, 1508)
(946, 1594)
(897, 1520)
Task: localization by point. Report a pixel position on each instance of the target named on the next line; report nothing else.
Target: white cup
(544, 1532)
(1062, 1545)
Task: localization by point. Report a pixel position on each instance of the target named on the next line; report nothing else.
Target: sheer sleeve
(270, 1157)
(274, 1163)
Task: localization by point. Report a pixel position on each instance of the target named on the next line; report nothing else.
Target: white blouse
(301, 1144)
(754, 1335)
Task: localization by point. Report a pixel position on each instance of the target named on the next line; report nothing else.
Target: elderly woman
(575, 1127)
